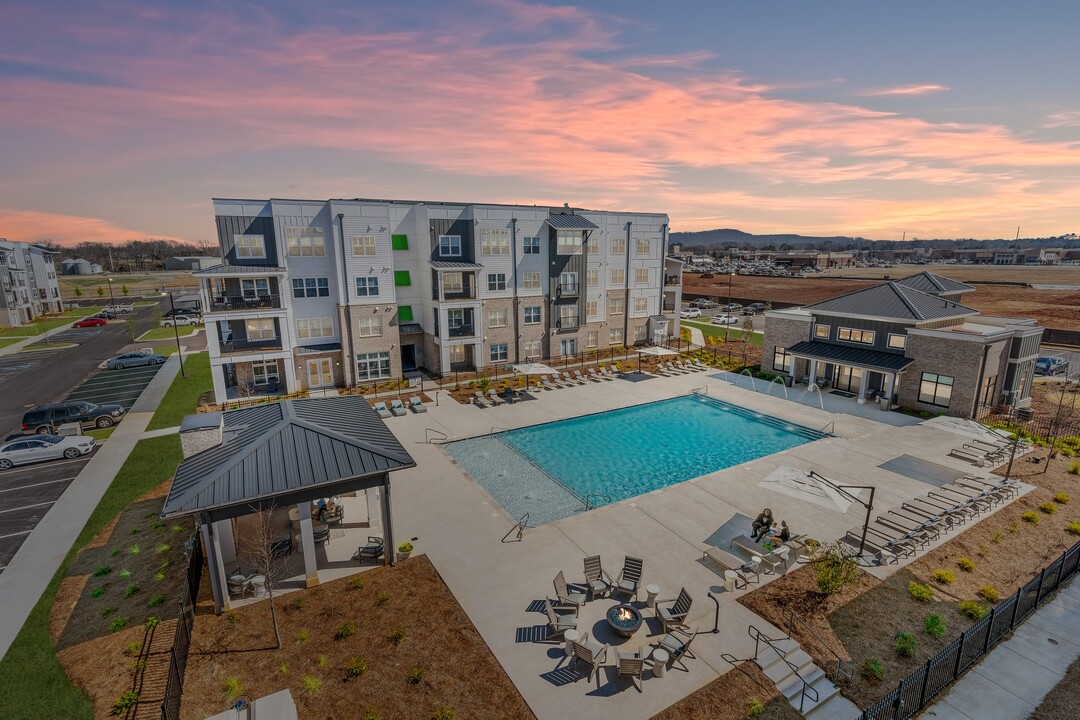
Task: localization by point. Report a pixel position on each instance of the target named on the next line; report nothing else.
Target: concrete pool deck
(498, 584)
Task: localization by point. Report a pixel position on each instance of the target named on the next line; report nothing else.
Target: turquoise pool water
(549, 470)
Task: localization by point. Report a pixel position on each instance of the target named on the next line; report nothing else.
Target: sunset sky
(120, 120)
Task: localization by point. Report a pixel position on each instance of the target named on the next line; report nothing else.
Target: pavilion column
(218, 586)
(811, 374)
(290, 377)
(864, 380)
(890, 380)
(390, 555)
(307, 544)
(374, 510)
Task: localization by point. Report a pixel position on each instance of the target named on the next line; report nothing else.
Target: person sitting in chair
(778, 535)
(761, 524)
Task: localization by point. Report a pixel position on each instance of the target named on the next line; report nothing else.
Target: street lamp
(112, 301)
(176, 334)
(730, 276)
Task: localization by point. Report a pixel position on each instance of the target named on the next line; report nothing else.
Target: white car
(690, 313)
(117, 309)
(35, 448)
(724, 320)
(179, 320)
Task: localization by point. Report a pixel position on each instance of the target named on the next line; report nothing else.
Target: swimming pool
(550, 470)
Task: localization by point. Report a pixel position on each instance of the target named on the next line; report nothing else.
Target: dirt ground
(137, 283)
(459, 670)
(1063, 700)
(728, 698)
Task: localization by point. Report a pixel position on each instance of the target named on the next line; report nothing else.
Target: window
(568, 282)
(399, 242)
(618, 277)
(569, 346)
(618, 245)
(449, 246)
(531, 281)
(592, 277)
(897, 342)
(592, 308)
(641, 305)
(404, 313)
(369, 326)
(315, 327)
(498, 352)
(821, 331)
(531, 348)
(591, 337)
(372, 366)
(615, 306)
(496, 318)
(568, 316)
(641, 332)
(530, 245)
(263, 373)
(496, 281)
(310, 287)
(402, 279)
(641, 276)
(363, 245)
(615, 336)
(260, 329)
(452, 282)
(643, 246)
(306, 242)
(569, 242)
(494, 241)
(592, 244)
(866, 337)
(532, 315)
(367, 286)
(455, 317)
(457, 354)
(986, 395)
(781, 360)
(255, 288)
(249, 246)
(935, 389)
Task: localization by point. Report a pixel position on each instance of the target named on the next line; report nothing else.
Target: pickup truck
(116, 309)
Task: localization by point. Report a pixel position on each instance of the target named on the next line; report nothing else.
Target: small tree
(124, 290)
(837, 567)
(78, 291)
(156, 312)
(100, 291)
(131, 328)
(257, 547)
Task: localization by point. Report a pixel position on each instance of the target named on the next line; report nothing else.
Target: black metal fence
(170, 704)
(915, 691)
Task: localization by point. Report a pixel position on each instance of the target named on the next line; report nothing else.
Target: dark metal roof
(894, 302)
(566, 221)
(312, 349)
(454, 265)
(933, 284)
(862, 357)
(200, 421)
(286, 447)
(241, 270)
(409, 327)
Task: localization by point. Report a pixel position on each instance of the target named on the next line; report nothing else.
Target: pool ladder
(433, 434)
(598, 496)
(519, 529)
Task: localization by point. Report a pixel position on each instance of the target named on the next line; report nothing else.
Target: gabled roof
(892, 301)
(282, 448)
(928, 282)
(566, 221)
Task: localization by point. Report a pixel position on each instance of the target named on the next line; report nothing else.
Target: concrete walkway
(1010, 682)
(29, 572)
(16, 347)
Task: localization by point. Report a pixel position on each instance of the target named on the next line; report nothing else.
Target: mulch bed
(458, 669)
(1061, 702)
(729, 697)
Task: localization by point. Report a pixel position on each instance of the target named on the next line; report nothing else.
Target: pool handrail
(429, 431)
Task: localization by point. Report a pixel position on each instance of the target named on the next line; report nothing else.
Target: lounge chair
(397, 408)
(727, 561)
(478, 398)
(745, 543)
(632, 665)
(493, 396)
(606, 374)
(971, 457)
(629, 580)
(380, 407)
(560, 617)
(677, 644)
(569, 380)
(567, 594)
(593, 375)
(579, 377)
(590, 652)
(675, 615)
(546, 382)
(596, 580)
(417, 404)
(373, 550)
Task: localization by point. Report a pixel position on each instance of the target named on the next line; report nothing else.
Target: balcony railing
(244, 302)
(467, 293)
(672, 280)
(569, 288)
(458, 331)
(237, 346)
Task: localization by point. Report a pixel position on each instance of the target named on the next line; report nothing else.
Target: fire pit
(624, 620)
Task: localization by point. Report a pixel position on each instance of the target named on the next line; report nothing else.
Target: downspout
(348, 359)
(978, 387)
(626, 292)
(513, 275)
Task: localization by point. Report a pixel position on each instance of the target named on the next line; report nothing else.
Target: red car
(89, 322)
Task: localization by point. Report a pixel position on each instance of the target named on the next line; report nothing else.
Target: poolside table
(571, 636)
(660, 659)
(653, 591)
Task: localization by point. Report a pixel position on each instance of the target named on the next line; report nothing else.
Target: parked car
(704, 304)
(89, 322)
(724, 320)
(119, 362)
(45, 419)
(185, 311)
(104, 315)
(754, 309)
(706, 276)
(119, 308)
(690, 313)
(1050, 365)
(731, 307)
(44, 447)
(179, 320)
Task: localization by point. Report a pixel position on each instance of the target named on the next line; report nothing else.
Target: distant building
(28, 284)
(191, 262)
(78, 266)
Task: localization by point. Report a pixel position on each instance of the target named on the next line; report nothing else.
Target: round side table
(653, 591)
(570, 636)
(660, 658)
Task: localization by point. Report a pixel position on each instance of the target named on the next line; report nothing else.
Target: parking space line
(56, 463)
(27, 507)
(17, 534)
(46, 482)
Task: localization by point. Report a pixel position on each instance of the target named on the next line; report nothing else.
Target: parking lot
(115, 386)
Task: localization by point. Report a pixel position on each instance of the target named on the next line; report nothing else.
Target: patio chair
(748, 544)
(560, 617)
(590, 652)
(605, 374)
(593, 375)
(677, 644)
(569, 380)
(598, 581)
(675, 615)
(567, 594)
(397, 407)
(478, 398)
(281, 546)
(493, 396)
(417, 404)
(632, 665)
(380, 407)
(239, 583)
(321, 534)
(629, 580)
(373, 550)
(579, 377)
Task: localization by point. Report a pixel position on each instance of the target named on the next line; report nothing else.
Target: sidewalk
(29, 572)
(16, 347)
(1015, 677)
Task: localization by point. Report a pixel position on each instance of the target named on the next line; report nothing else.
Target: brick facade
(959, 359)
(783, 332)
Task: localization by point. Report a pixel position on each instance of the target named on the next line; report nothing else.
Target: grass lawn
(53, 321)
(183, 395)
(166, 333)
(5, 341)
(708, 329)
(48, 346)
(100, 433)
(30, 673)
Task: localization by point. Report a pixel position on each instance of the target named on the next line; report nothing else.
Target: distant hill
(728, 237)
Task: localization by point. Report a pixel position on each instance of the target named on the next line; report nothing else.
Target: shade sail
(534, 369)
(655, 350)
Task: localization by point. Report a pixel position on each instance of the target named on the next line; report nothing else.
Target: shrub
(312, 684)
(322, 662)
(944, 577)
(416, 675)
(298, 603)
(989, 593)
(125, 702)
(1030, 517)
(836, 568)
(755, 708)
(97, 592)
(137, 666)
(125, 574)
(905, 644)
(997, 537)
(159, 576)
(919, 592)
(356, 667)
(133, 648)
(102, 570)
(148, 514)
(302, 637)
(130, 590)
(1061, 498)
(383, 598)
(177, 528)
(965, 564)
(1073, 528)
(156, 600)
(973, 610)
(398, 635)
(873, 671)
(935, 625)
(356, 583)
(283, 668)
(1014, 526)
(372, 713)
(118, 624)
(114, 552)
(157, 525)
(134, 531)
(134, 549)
(163, 548)
(153, 621)
(405, 547)
(1048, 508)
(233, 688)
(347, 628)
(445, 712)
(984, 551)
(1074, 468)
(107, 611)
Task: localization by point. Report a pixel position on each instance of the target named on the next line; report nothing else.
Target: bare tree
(258, 547)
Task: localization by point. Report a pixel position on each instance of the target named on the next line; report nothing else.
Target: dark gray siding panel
(230, 225)
(880, 328)
(566, 263)
(464, 228)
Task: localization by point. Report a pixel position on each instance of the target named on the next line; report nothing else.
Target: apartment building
(352, 292)
(28, 284)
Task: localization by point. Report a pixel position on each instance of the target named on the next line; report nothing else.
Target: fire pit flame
(625, 615)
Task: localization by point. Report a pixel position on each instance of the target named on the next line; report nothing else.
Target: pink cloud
(906, 90)
(35, 226)
(1062, 119)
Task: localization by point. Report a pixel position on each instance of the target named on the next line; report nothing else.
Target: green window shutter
(404, 313)
(401, 278)
(399, 242)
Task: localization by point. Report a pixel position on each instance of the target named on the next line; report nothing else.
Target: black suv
(45, 419)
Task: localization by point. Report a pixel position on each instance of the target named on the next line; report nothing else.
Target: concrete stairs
(829, 703)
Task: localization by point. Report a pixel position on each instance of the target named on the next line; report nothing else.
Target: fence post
(1038, 593)
(925, 684)
(959, 655)
(899, 699)
(1061, 569)
(989, 630)
(1016, 607)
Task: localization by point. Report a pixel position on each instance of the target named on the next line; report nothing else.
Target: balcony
(465, 293)
(460, 331)
(670, 280)
(244, 345)
(231, 303)
(566, 289)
